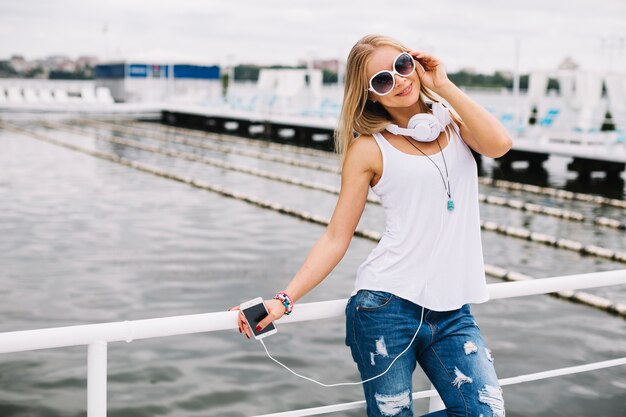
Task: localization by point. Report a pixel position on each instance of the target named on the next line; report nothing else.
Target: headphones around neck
(425, 127)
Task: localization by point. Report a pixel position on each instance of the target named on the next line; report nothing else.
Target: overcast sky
(477, 33)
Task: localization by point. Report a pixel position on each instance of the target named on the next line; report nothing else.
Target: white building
(136, 82)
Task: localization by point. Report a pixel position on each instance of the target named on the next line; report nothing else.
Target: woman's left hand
(430, 71)
(275, 308)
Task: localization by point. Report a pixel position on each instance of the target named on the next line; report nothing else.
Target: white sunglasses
(384, 81)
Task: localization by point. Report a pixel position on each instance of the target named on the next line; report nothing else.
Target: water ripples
(88, 241)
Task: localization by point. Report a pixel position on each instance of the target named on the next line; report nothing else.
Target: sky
(479, 34)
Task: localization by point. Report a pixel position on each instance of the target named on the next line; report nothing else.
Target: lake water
(83, 240)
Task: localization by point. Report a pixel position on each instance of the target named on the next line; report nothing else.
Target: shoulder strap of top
(384, 146)
(456, 128)
(380, 139)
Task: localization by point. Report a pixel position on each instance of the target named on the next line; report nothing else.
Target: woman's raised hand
(430, 70)
(275, 309)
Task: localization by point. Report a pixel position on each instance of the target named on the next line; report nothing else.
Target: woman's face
(406, 90)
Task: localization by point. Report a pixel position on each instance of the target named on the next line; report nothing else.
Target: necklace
(446, 186)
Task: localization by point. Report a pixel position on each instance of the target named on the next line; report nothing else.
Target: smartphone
(254, 311)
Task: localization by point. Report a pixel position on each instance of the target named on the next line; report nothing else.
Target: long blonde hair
(360, 116)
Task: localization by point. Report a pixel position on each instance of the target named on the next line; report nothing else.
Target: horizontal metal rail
(432, 393)
(97, 336)
(128, 331)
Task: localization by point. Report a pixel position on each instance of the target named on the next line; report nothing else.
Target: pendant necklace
(446, 186)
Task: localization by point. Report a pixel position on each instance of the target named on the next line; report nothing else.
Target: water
(87, 241)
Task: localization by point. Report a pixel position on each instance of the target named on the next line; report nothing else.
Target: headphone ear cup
(425, 127)
(442, 113)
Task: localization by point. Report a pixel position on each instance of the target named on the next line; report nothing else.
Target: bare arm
(331, 247)
(479, 129)
(333, 244)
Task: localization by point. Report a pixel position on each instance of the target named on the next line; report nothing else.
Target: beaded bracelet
(284, 298)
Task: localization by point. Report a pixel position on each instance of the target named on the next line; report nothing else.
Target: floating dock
(591, 151)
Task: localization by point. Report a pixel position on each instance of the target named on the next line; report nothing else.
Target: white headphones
(425, 127)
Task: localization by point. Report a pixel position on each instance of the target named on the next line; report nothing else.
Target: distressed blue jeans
(449, 349)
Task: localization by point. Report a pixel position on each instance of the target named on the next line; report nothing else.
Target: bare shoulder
(356, 178)
(363, 154)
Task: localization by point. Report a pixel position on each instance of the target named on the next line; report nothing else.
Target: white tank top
(428, 254)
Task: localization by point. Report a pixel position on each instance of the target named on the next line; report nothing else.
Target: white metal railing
(97, 336)
(432, 393)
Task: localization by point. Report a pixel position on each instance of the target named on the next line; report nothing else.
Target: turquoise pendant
(450, 205)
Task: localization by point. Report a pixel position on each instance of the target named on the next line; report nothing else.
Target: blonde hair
(360, 116)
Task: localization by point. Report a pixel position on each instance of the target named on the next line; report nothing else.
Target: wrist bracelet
(284, 298)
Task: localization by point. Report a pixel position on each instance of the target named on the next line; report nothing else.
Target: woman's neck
(402, 115)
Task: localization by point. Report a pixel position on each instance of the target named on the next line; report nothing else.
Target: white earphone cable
(347, 383)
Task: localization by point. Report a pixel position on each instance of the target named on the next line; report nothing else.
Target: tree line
(460, 78)
(250, 72)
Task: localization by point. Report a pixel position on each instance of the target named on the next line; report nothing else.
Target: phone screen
(254, 315)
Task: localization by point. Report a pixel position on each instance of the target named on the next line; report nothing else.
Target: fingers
(427, 61)
(420, 54)
(246, 330)
(275, 311)
(419, 69)
(241, 322)
(263, 323)
(244, 327)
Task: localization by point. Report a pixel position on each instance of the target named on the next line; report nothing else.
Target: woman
(428, 266)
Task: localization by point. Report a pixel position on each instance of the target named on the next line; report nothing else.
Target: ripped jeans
(449, 349)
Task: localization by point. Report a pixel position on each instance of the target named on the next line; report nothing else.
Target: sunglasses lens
(405, 65)
(382, 83)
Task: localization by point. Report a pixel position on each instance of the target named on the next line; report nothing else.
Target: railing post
(435, 403)
(97, 379)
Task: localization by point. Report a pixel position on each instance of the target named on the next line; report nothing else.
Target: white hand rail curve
(96, 336)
